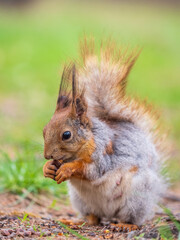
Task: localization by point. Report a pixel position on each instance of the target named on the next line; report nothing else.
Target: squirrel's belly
(103, 197)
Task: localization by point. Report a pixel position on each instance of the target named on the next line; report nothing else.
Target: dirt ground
(37, 217)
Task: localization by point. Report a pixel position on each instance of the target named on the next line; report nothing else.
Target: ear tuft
(64, 98)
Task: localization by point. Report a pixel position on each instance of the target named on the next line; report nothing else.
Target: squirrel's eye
(66, 135)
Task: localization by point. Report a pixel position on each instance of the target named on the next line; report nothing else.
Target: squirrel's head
(69, 129)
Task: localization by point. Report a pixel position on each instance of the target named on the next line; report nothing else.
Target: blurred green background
(38, 38)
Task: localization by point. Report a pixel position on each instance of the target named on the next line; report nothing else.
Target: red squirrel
(108, 145)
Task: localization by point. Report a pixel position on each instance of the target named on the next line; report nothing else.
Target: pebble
(45, 233)
(27, 233)
(32, 230)
(75, 227)
(45, 218)
(70, 214)
(92, 234)
(13, 235)
(151, 235)
(10, 230)
(105, 223)
(3, 218)
(46, 229)
(177, 216)
(113, 228)
(56, 230)
(20, 230)
(48, 233)
(132, 234)
(5, 232)
(20, 233)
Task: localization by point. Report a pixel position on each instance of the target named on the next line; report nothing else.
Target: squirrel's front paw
(63, 174)
(49, 169)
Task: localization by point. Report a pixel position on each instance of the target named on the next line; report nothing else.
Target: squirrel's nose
(47, 156)
(47, 152)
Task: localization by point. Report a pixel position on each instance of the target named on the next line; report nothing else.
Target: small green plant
(72, 231)
(140, 236)
(24, 171)
(165, 230)
(34, 228)
(173, 219)
(158, 220)
(53, 205)
(25, 219)
(41, 232)
(80, 226)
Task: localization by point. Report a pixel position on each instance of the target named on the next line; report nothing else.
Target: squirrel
(108, 145)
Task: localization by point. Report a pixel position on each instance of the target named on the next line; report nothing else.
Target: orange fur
(49, 170)
(76, 168)
(134, 169)
(70, 222)
(126, 227)
(92, 219)
(69, 170)
(109, 149)
(86, 151)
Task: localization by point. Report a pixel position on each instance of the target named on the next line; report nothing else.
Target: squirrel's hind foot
(125, 227)
(90, 219)
(70, 222)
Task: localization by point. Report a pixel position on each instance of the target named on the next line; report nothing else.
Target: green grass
(24, 172)
(34, 45)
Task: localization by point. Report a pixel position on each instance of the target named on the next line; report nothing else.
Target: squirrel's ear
(79, 107)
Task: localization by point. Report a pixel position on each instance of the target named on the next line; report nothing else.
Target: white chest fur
(105, 196)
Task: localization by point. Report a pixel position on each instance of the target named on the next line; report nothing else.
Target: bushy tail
(104, 79)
